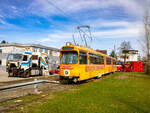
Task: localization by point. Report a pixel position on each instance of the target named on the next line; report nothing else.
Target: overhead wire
(68, 16)
(63, 12)
(75, 20)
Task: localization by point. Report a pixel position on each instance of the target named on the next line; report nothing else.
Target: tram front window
(69, 57)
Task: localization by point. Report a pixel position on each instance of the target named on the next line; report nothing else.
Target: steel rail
(27, 84)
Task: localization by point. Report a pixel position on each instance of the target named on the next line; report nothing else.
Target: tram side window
(83, 58)
(97, 60)
(108, 60)
(93, 59)
(101, 59)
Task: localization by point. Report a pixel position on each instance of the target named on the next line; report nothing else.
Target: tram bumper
(72, 78)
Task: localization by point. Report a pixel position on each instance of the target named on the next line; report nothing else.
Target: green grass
(118, 93)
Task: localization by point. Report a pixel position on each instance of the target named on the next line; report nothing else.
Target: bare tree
(147, 38)
(123, 49)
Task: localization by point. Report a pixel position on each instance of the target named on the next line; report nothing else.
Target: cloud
(5, 26)
(13, 7)
(96, 10)
(99, 23)
(119, 33)
(48, 7)
(46, 40)
(127, 31)
(3, 22)
(1, 16)
(55, 37)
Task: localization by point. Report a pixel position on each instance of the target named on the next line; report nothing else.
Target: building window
(50, 52)
(0, 50)
(34, 50)
(41, 50)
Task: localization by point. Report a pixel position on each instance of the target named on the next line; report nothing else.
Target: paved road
(4, 77)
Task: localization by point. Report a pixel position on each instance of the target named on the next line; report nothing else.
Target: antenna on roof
(84, 34)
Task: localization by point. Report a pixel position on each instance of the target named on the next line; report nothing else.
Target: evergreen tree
(113, 54)
(3, 42)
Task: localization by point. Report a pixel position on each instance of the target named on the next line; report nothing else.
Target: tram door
(92, 65)
(83, 62)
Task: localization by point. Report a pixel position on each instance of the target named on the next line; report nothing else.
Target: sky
(53, 22)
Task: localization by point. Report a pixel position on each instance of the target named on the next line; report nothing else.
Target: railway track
(12, 92)
(13, 89)
(35, 82)
(11, 82)
(46, 87)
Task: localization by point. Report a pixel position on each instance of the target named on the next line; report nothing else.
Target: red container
(119, 68)
(140, 66)
(126, 67)
(137, 66)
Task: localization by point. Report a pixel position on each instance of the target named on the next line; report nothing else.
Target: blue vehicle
(26, 64)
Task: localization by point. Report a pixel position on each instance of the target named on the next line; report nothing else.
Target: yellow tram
(79, 63)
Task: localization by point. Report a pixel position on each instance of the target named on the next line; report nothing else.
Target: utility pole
(147, 36)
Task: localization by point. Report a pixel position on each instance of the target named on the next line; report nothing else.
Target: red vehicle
(54, 70)
(127, 67)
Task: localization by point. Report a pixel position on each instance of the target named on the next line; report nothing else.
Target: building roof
(28, 45)
(130, 51)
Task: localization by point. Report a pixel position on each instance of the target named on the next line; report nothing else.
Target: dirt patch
(123, 76)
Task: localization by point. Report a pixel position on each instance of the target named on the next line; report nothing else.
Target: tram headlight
(66, 72)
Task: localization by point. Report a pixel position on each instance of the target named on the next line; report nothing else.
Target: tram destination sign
(68, 48)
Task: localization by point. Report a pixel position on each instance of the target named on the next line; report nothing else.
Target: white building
(5, 49)
(129, 55)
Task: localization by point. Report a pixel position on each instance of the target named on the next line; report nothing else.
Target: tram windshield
(69, 57)
(15, 57)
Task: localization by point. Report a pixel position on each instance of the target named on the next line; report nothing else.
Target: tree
(113, 54)
(3, 42)
(125, 45)
(147, 38)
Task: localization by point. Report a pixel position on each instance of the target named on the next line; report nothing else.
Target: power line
(63, 12)
(68, 16)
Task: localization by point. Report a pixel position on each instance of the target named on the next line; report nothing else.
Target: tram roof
(88, 49)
